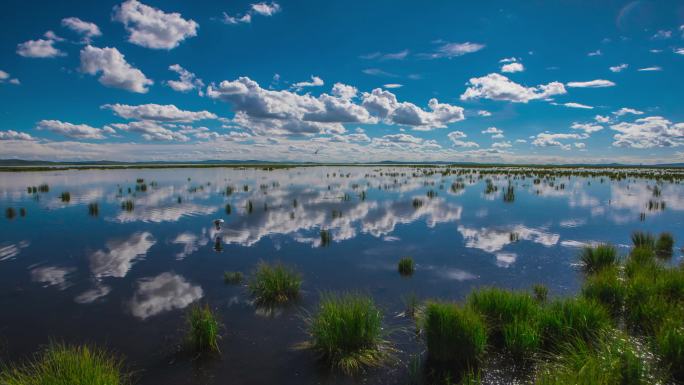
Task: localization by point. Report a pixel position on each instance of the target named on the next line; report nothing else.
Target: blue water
(123, 280)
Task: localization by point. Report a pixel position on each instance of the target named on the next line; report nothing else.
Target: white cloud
(650, 69)
(662, 34)
(384, 104)
(187, 82)
(580, 145)
(450, 50)
(602, 119)
(263, 9)
(512, 67)
(393, 85)
(87, 29)
(586, 127)
(153, 28)
(679, 51)
(5, 77)
(163, 293)
(120, 255)
(116, 72)
(508, 60)
(484, 113)
(578, 105)
(456, 136)
(624, 111)
(76, 131)
(493, 131)
(649, 132)
(315, 82)
(618, 68)
(158, 112)
(14, 135)
(506, 144)
(595, 53)
(598, 83)
(151, 131)
(548, 139)
(40, 48)
(344, 91)
(498, 87)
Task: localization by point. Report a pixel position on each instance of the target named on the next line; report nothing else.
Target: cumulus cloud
(151, 131)
(384, 105)
(344, 91)
(586, 127)
(14, 135)
(494, 132)
(548, 139)
(456, 136)
(315, 82)
(649, 132)
(602, 119)
(498, 87)
(76, 131)
(512, 67)
(188, 81)
(115, 70)
(86, 29)
(598, 83)
(153, 28)
(41, 48)
(262, 9)
(506, 144)
(625, 111)
(158, 112)
(618, 68)
(5, 77)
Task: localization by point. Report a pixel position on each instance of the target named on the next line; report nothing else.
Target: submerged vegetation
(406, 266)
(274, 283)
(232, 277)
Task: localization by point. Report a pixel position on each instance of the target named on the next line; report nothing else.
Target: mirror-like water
(117, 260)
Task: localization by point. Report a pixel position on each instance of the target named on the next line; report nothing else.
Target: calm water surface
(123, 279)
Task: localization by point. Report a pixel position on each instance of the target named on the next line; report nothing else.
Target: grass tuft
(569, 318)
(607, 288)
(596, 258)
(664, 246)
(455, 335)
(406, 266)
(232, 277)
(274, 283)
(541, 292)
(203, 329)
(61, 364)
(642, 239)
(347, 332)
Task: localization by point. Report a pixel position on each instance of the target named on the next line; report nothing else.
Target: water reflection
(165, 292)
(52, 276)
(117, 260)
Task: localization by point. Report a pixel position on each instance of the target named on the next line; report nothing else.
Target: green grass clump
(541, 292)
(670, 346)
(93, 209)
(611, 359)
(347, 332)
(594, 259)
(664, 246)
(512, 319)
(642, 239)
(232, 277)
(406, 266)
(203, 329)
(639, 260)
(65, 197)
(454, 334)
(274, 283)
(61, 364)
(607, 288)
(569, 318)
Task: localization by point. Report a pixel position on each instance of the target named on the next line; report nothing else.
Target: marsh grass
(233, 277)
(541, 292)
(61, 364)
(406, 266)
(610, 359)
(274, 283)
(607, 288)
(346, 331)
(596, 258)
(228, 209)
(326, 237)
(65, 197)
(642, 239)
(93, 209)
(454, 334)
(203, 329)
(664, 246)
(10, 213)
(127, 205)
(570, 318)
(670, 346)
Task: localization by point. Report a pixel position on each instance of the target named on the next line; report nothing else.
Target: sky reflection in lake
(123, 277)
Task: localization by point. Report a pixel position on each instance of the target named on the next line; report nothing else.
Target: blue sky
(508, 81)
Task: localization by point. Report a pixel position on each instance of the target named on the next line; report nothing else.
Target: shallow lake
(123, 278)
